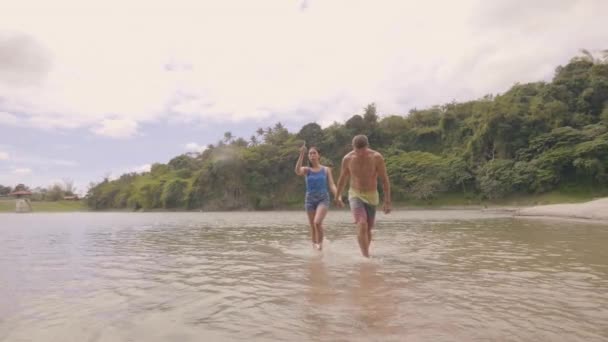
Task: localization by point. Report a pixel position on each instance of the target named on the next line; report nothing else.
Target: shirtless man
(364, 165)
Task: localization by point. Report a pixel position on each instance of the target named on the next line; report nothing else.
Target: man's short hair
(360, 141)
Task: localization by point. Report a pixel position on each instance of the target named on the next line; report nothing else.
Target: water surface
(434, 276)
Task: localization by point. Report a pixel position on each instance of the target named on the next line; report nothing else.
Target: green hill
(536, 138)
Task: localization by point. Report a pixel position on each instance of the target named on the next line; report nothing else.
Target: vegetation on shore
(538, 143)
(445, 201)
(536, 138)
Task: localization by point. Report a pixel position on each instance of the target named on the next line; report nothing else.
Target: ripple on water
(440, 275)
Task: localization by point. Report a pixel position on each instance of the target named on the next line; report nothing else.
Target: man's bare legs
(364, 216)
(370, 225)
(364, 237)
(369, 237)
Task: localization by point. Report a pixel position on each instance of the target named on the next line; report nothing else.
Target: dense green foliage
(534, 138)
(5, 190)
(52, 193)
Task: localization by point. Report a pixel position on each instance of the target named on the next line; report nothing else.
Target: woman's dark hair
(313, 147)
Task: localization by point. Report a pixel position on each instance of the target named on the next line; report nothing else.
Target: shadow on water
(320, 291)
(349, 302)
(373, 299)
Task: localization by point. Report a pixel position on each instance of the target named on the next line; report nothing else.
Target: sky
(90, 89)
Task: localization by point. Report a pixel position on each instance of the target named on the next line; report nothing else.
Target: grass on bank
(8, 205)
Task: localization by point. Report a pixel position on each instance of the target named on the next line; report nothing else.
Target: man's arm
(386, 185)
(344, 174)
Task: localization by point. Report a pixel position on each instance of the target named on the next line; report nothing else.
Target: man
(363, 166)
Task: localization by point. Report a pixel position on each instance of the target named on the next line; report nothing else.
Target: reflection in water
(320, 290)
(320, 295)
(434, 276)
(375, 304)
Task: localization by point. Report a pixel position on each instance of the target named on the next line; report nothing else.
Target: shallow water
(434, 276)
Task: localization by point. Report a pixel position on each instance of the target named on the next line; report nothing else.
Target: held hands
(338, 201)
(386, 206)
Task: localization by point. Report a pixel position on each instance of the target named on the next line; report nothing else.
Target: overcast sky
(111, 86)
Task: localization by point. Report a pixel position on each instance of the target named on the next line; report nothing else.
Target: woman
(318, 179)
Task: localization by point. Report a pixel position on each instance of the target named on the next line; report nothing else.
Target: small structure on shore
(23, 204)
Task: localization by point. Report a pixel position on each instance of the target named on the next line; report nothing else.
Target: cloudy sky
(95, 88)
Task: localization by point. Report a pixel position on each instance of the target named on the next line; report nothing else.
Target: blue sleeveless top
(316, 181)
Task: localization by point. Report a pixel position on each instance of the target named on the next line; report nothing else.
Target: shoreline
(596, 210)
(590, 211)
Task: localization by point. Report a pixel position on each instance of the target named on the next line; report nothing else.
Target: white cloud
(4, 156)
(194, 147)
(231, 60)
(43, 161)
(23, 60)
(116, 128)
(141, 168)
(63, 162)
(130, 169)
(22, 171)
(8, 119)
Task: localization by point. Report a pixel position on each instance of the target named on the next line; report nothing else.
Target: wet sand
(596, 210)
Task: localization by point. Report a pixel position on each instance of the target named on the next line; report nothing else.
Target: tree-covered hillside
(534, 138)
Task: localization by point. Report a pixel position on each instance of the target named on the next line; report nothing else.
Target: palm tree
(253, 140)
(589, 57)
(228, 137)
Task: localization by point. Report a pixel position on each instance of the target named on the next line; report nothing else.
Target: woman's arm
(301, 170)
(332, 184)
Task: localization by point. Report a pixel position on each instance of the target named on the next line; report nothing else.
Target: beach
(596, 210)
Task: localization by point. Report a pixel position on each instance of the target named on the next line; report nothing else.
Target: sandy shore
(593, 210)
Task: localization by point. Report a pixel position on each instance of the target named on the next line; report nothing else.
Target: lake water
(433, 276)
